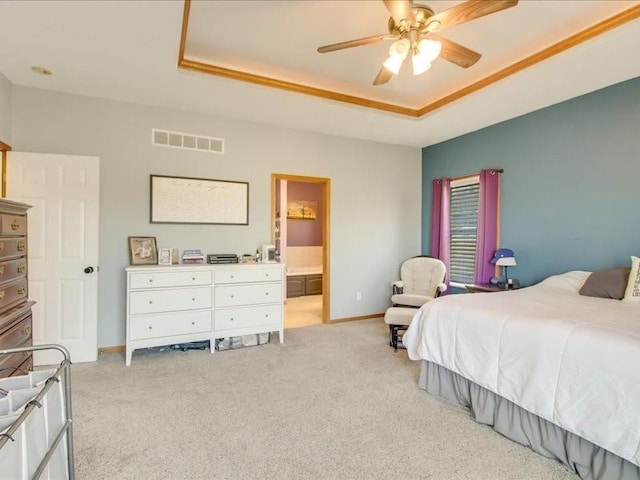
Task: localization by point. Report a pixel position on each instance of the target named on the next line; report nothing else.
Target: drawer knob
(231, 319)
(150, 302)
(193, 323)
(22, 290)
(151, 280)
(26, 330)
(22, 267)
(266, 315)
(2, 270)
(21, 246)
(193, 278)
(231, 296)
(267, 293)
(232, 276)
(267, 275)
(193, 299)
(15, 225)
(150, 328)
(1, 294)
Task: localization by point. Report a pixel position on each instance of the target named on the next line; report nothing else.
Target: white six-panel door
(63, 248)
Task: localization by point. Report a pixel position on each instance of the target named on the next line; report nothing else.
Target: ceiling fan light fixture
(398, 51)
(420, 64)
(429, 49)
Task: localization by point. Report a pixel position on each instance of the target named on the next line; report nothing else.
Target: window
(463, 233)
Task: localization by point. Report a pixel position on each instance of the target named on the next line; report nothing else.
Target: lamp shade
(506, 262)
(502, 253)
(429, 49)
(398, 51)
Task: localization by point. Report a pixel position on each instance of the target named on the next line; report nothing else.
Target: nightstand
(483, 288)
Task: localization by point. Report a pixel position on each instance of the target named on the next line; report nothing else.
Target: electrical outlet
(358, 295)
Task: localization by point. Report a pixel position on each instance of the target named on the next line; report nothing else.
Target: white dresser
(168, 305)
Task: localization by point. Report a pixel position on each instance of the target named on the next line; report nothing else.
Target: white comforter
(570, 359)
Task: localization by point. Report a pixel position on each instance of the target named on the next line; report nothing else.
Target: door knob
(88, 270)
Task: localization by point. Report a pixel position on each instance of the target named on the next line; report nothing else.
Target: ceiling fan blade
(456, 53)
(383, 76)
(467, 11)
(400, 10)
(356, 43)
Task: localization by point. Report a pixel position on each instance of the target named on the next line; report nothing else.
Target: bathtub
(291, 271)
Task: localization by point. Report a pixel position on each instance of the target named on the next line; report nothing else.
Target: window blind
(463, 232)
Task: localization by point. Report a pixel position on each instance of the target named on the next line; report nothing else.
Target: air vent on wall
(187, 141)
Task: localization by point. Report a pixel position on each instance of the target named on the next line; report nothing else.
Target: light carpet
(333, 402)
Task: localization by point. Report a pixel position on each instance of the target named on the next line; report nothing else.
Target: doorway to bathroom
(300, 231)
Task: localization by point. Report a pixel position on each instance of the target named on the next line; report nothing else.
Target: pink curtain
(487, 225)
(440, 200)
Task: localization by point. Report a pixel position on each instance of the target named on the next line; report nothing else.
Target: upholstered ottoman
(398, 319)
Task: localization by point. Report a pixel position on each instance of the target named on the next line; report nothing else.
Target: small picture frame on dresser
(164, 256)
(143, 251)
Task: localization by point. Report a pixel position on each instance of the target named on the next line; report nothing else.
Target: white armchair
(421, 280)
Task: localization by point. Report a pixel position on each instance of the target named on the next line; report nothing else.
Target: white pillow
(632, 292)
(571, 281)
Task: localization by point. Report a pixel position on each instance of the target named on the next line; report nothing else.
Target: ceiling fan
(413, 27)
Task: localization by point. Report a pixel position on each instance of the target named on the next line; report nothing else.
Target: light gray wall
(375, 190)
(5, 109)
(569, 198)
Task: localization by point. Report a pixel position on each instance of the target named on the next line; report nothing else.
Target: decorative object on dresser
(143, 251)
(15, 309)
(164, 256)
(192, 303)
(192, 256)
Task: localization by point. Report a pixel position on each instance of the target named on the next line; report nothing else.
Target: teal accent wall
(570, 194)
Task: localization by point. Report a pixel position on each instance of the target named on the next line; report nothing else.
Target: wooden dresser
(189, 303)
(15, 309)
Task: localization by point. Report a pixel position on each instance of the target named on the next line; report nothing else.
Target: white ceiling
(128, 50)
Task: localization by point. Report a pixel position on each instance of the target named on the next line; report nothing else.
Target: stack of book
(192, 256)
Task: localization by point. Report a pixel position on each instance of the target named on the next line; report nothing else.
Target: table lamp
(504, 257)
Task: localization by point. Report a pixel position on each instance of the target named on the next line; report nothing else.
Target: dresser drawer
(169, 324)
(17, 336)
(170, 279)
(235, 295)
(13, 269)
(16, 363)
(231, 318)
(13, 292)
(13, 224)
(13, 247)
(154, 301)
(248, 274)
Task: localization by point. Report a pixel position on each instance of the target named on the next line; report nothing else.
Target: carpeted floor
(333, 402)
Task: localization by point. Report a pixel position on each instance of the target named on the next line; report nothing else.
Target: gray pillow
(610, 283)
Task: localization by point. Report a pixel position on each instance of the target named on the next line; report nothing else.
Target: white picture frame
(164, 256)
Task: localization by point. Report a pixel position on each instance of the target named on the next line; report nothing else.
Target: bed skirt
(588, 460)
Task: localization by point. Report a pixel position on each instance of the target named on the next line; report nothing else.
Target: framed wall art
(302, 210)
(199, 200)
(143, 251)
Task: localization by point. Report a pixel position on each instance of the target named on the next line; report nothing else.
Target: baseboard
(113, 349)
(354, 319)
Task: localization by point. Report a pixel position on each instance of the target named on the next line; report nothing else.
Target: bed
(543, 365)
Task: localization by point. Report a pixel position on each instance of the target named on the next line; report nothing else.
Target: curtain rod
(471, 175)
